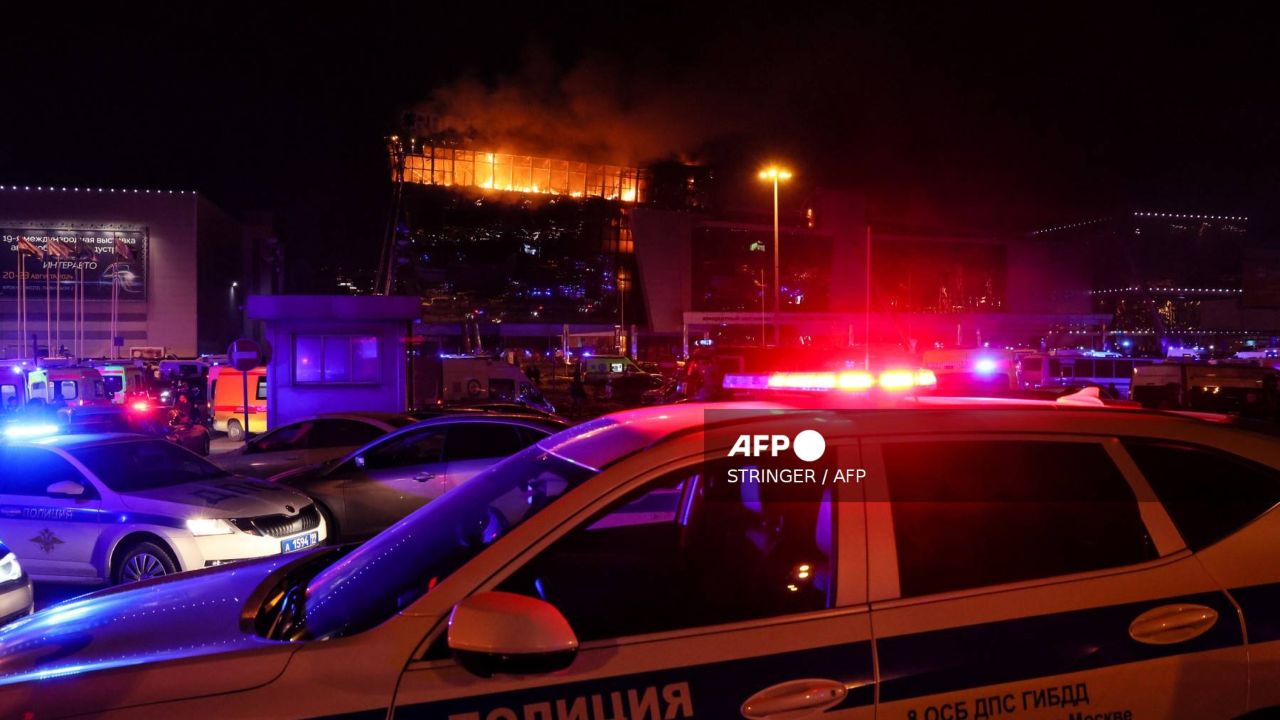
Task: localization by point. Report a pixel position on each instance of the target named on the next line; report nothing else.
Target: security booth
(330, 353)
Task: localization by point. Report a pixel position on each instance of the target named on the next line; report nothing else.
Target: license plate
(300, 542)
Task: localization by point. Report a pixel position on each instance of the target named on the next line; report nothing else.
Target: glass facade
(456, 167)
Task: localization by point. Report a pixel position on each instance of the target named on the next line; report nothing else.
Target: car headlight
(9, 568)
(209, 526)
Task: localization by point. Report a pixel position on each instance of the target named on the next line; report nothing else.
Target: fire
(457, 167)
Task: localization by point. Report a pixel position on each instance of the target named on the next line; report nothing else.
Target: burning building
(514, 239)
(428, 163)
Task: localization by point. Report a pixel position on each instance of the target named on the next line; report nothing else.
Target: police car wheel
(235, 431)
(204, 446)
(143, 561)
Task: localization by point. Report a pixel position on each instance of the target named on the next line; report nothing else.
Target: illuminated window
(335, 359)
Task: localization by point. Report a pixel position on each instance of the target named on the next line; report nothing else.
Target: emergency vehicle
(124, 382)
(113, 508)
(958, 559)
(1217, 387)
(973, 371)
(13, 386)
(226, 390)
(471, 379)
(70, 385)
(1075, 368)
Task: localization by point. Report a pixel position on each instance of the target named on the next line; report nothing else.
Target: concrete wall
(169, 316)
(287, 316)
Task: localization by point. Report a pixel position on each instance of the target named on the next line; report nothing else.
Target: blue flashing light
(34, 430)
(17, 369)
(1126, 343)
(985, 366)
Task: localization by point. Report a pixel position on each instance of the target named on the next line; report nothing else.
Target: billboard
(65, 255)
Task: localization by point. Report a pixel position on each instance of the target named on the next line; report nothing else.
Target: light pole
(776, 175)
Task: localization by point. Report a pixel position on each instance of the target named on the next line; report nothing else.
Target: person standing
(578, 391)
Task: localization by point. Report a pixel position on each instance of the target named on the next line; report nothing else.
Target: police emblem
(47, 540)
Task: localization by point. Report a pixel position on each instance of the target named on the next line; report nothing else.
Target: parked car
(377, 485)
(309, 442)
(115, 508)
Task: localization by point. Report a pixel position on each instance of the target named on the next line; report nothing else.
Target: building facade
(158, 271)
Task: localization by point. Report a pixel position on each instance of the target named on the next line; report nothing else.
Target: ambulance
(937, 559)
(228, 405)
(71, 386)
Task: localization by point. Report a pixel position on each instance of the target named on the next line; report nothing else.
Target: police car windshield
(144, 465)
(395, 568)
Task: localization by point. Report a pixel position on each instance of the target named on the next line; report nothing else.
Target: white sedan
(115, 508)
(933, 563)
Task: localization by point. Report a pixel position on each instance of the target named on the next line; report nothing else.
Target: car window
(529, 436)
(67, 390)
(30, 471)
(975, 513)
(342, 433)
(1209, 494)
(690, 549)
(471, 441)
(415, 447)
(144, 465)
(289, 437)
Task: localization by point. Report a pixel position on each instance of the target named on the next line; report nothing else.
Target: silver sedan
(309, 442)
(371, 488)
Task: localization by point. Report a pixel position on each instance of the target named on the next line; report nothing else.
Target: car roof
(601, 442)
(480, 417)
(379, 416)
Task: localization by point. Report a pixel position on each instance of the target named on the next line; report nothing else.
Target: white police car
(119, 508)
(1024, 560)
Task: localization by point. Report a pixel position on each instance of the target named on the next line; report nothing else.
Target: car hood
(228, 497)
(147, 631)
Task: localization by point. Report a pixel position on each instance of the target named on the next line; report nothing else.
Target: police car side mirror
(499, 632)
(65, 488)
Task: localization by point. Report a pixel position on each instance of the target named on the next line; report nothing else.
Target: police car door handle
(790, 698)
(1169, 624)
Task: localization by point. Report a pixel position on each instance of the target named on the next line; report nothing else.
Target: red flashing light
(140, 406)
(847, 380)
(897, 380)
(855, 380)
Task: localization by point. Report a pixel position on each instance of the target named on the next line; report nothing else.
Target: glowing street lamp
(776, 175)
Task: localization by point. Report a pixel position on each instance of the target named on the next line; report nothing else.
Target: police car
(119, 508)
(937, 562)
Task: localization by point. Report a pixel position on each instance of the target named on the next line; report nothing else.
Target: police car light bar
(35, 430)
(848, 381)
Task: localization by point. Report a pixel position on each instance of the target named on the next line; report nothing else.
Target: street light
(775, 174)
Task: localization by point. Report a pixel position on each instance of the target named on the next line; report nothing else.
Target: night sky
(969, 117)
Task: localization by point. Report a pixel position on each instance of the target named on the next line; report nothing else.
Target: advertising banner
(56, 254)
